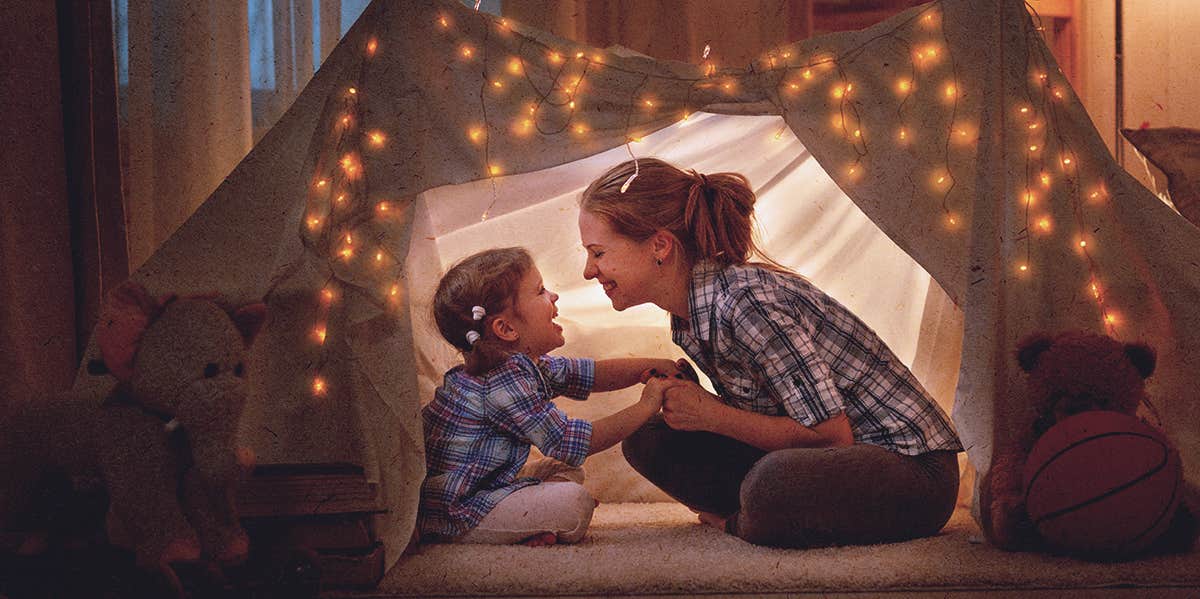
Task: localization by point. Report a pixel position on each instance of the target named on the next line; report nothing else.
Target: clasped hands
(685, 404)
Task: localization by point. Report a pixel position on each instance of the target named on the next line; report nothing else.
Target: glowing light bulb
(497, 83)
(1045, 178)
(514, 66)
(951, 90)
(555, 58)
(377, 138)
(1028, 197)
(319, 333)
(394, 291)
(1044, 224)
(353, 91)
(347, 253)
(1024, 110)
(1110, 318)
(904, 86)
(466, 51)
(580, 129)
(379, 256)
(326, 296)
(579, 55)
(371, 46)
(340, 199)
(941, 180)
(314, 222)
(649, 103)
(443, 22)
(839, 91)
(318, 386)
(793, 86)
(493, 170)
(1033, 148)
(571, 104)
(1082, 243)
(322, 183)
(807, 74)
(903, 134)
(1023, 268)
(476, 134)
(1066, 161)
(384, 207)
(1033, 125)
(857, 133)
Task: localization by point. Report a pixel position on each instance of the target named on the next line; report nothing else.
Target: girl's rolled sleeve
(570, 377)
(521, 411)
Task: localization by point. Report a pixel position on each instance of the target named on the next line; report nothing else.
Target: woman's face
(624, 267)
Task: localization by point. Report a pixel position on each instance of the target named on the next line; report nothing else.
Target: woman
(818, 434)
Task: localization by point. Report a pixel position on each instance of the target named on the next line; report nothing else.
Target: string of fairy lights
(344, 225)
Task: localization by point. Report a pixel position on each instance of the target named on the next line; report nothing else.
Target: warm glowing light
(327, 295)
(340, 199)
(493, 170)
(779, 134)
(793, 86)
(346, 120)
(1033, 125)
(902, 134)
(443, 22)
(857, 133)
(384, 207)
(950, 90)
(1023, 267)
(904, 86)
(319, 333)
(1066, 160)
(1045, 178)
(951, 220)
(650, 103)
(1029, 198)
(807, 74)
(727, 86)
(1058, 94)
(839, 91)
(580, 129)
(476, 134)
(1110, 318)
(371, 46)
(1024, 110)
(347, 252)
(941, 180)
(1044, 224)
(514, 66)
(837, 121)
(466, 51)
(571, 104)
(1033, 148)
(318, 386)
(314, 222)
(394, 291)
(497, 83)
(322, 183)
(376, 138)
(1082, 243)
(686, 115)
(504, 24)
(353, 91)
(379, 256)
(348, 164)
(1095, 290)
(556, 58)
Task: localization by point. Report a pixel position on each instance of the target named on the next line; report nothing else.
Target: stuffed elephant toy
(162, 436)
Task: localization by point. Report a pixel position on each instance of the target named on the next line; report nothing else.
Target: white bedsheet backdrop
(804, 221)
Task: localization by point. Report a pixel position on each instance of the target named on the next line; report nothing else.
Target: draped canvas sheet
(423, 76)
(804, 220)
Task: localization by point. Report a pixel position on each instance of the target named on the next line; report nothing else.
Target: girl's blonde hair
(489, 279)
(709, 214)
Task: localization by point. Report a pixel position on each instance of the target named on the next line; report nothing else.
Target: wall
(1162, 78)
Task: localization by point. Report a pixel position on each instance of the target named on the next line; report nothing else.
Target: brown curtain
(737, 31)
(62, 234)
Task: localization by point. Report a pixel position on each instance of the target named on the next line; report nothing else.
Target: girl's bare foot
(539, 540)
(714, 520)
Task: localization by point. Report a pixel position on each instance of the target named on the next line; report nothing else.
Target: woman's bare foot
(714, 520)
(540, 540)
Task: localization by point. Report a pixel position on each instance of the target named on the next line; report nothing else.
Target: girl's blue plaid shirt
(478, 431)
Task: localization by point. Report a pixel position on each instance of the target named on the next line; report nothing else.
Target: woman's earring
(658, 261)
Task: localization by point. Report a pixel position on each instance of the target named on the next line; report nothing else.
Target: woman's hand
(688, 407)
(677, 369)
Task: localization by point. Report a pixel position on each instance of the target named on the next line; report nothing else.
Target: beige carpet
(659, 548)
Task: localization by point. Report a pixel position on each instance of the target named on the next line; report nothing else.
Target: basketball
(1102, 483)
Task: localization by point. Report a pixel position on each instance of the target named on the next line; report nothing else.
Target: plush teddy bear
(161, 436)
(1068, 373)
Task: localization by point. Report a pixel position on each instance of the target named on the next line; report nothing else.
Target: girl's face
(534, 316)
(624, 267)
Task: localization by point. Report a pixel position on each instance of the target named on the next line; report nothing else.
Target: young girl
(479, 488)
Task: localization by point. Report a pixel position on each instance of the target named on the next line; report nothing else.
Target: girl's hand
(688, 407)
(655, 389)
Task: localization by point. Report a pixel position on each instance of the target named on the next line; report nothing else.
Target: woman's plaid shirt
(772, 343)
(478, 431)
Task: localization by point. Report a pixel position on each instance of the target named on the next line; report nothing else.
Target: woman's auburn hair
(489, 279)
(710, 215)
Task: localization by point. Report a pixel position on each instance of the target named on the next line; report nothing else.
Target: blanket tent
(935, 172)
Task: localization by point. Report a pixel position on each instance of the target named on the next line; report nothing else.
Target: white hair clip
(472, 337)
(477, 312)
